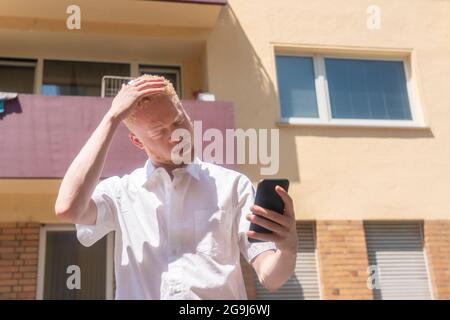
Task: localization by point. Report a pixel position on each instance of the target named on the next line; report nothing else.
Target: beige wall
(343, 172)
(28, 200)
(161, 13)
(336, 172)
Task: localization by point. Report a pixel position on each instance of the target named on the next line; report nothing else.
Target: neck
(168, 166)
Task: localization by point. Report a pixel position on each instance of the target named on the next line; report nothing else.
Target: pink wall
(41, 135)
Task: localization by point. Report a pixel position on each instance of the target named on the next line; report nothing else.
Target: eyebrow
(177, 118)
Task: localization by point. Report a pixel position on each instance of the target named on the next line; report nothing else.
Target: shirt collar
(192, 168)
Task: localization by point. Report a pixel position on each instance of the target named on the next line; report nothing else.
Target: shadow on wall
(241, 76)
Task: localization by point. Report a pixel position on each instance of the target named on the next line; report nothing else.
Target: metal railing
(112, 84)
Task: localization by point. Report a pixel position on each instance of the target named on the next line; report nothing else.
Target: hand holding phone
(268, 198)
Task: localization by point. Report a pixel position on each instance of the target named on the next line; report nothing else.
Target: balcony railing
(41, 135)
(112, 84)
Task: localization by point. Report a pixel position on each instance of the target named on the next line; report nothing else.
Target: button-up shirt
(177, 238)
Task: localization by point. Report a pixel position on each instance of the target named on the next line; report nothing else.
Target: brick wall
(437, 246)
(341, 250)
(343, 260)
(19, 245)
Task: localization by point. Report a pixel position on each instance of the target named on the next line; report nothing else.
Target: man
(179, 228)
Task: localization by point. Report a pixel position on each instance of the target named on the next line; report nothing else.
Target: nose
(175, 140)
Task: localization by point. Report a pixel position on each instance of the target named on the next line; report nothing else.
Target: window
(367, 89)
(328, 90)
(297, 88)
(77, 78)
(304, 284)
(173, 74)
(397, 257)
(58, 250)
(17, 75)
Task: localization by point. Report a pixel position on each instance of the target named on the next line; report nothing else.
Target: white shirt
(180, 238)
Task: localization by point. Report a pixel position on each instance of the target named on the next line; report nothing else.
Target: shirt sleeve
(105, 197)
(245, 199)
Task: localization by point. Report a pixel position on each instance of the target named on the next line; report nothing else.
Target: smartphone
(268, 198)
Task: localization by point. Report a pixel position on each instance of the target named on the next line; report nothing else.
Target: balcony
(41, 135)
(51, 14)
(136, 33)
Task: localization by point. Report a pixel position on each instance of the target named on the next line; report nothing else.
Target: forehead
(160, 112)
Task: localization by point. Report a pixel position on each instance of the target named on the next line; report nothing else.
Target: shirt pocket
(213, 232)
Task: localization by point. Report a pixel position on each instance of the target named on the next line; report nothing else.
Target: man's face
(153, 128)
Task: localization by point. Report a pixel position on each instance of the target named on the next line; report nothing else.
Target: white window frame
(316, 252)
(425, 254)
(324, 103)
(41, 259)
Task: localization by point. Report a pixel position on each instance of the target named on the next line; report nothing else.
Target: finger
(149, 92)
(153, 84)
(262, 236)
(136, 83)
(272, 226)
(271, 215)
(288, 203)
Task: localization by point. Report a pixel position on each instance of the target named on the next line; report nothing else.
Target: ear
(135, 140)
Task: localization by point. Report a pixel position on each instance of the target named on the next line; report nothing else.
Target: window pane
(76, 78)
(18, 79)
(297, 87)
(63, 250)
(367, 89)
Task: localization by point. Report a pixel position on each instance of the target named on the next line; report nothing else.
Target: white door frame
(41, 259)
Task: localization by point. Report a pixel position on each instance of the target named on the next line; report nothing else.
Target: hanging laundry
(4, 96)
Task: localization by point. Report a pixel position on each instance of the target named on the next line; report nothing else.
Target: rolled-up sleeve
(105, 196)
(245, 199)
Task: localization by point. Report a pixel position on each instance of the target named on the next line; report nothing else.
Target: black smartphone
(266, 197)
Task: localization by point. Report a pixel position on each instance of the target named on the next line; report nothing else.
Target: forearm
(84, 172)
(276, 268)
